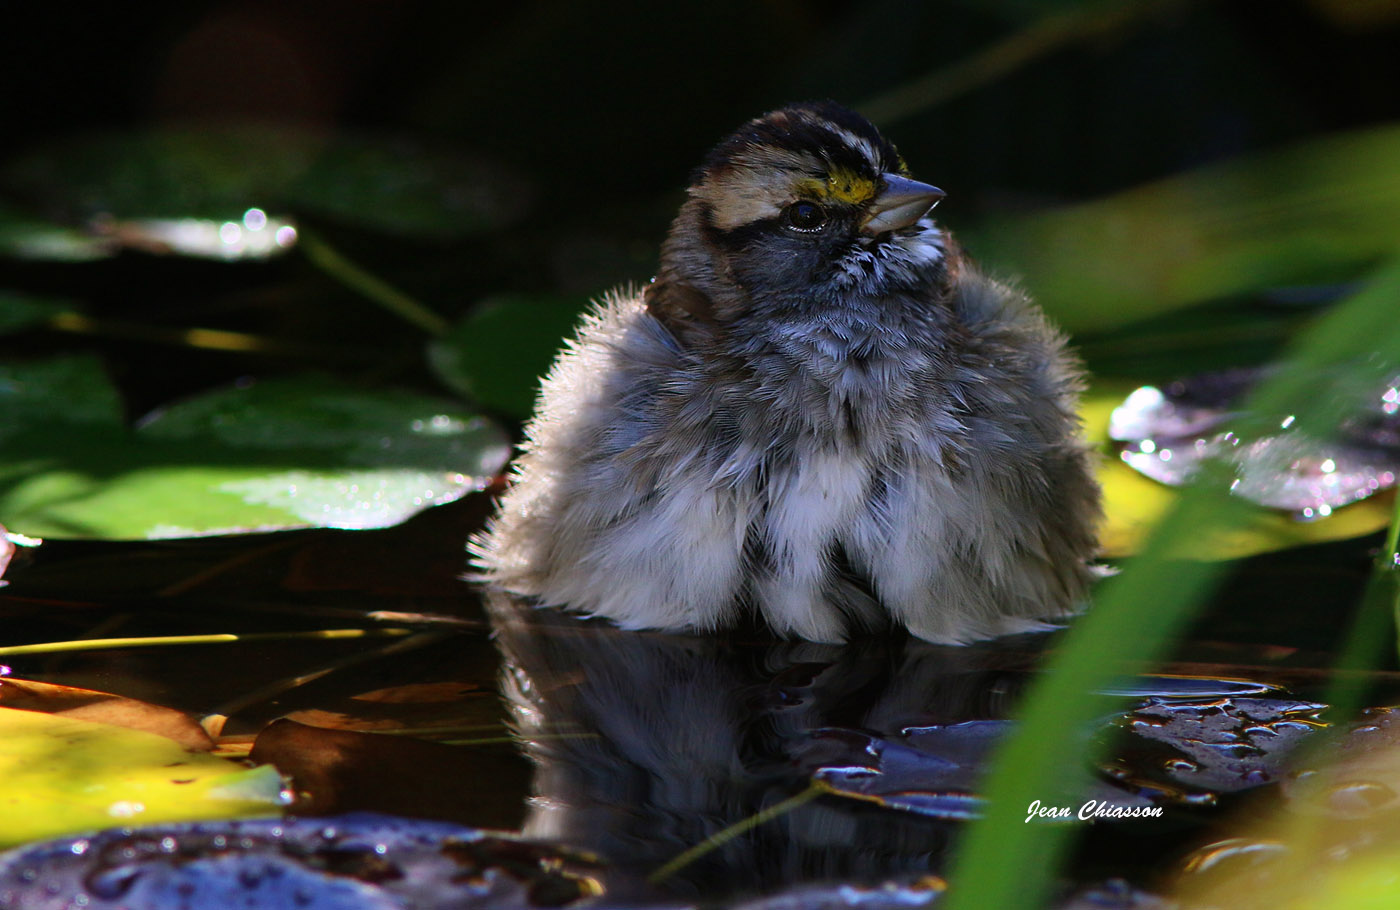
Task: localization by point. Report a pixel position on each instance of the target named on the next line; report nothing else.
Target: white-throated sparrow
(819, 410)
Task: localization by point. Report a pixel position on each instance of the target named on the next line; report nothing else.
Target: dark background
(601, 109)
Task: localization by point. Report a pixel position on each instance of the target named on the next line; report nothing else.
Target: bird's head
(803, 207)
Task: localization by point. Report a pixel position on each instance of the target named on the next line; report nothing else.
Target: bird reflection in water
(646, 744)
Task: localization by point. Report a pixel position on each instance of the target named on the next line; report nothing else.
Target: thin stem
(276, 688)
(218, 638)
(199, 338)
(724, 836)
(333, 263)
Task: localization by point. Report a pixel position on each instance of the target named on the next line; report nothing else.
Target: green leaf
(59, 775)
(273, 455)
(1318, 212)
(65, 390)
(497, 354)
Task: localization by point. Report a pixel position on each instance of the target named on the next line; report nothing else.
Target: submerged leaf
(1330, 843)
(69, 390)
(60, 775)
(935, 770)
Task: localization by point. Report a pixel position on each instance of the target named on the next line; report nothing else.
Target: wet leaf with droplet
(1169, 433)
(1191, 751)
(351, 862)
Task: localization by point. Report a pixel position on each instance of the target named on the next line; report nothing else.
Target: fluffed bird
(819, 412)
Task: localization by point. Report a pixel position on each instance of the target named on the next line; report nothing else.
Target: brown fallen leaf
(420, 693)
(334, 771)
(104, 708)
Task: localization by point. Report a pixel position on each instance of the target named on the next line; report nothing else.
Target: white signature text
(1090, 810)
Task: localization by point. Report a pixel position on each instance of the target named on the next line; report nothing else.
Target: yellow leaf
(59, 776)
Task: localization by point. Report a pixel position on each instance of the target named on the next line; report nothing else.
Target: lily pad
(935, 770)
(351, 862)
(1191, 752)
(280, 454)
(1133, 504)
(1169, 432)
(60, 775)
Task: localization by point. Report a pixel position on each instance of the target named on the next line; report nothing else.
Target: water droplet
(1359, 798)
(125, 809)
(1235, 850)
(114, 882)
(1291, 470)
(1233, 750)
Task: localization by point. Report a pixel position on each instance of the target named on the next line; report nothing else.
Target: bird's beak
(901, 203)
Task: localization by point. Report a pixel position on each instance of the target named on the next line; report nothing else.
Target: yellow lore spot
(849, 187)
(840, 185)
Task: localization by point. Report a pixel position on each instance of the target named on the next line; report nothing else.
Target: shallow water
(635, 747)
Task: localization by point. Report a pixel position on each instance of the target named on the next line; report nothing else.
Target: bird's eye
(804, 216)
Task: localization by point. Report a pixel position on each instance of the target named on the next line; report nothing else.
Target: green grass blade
(1136, 615)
